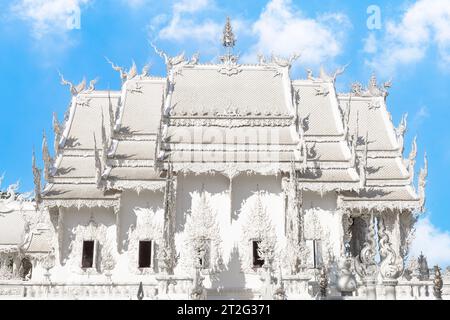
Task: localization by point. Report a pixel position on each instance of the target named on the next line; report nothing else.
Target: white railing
(170, 288)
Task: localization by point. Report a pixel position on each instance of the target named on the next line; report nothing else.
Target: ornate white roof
(230, 118)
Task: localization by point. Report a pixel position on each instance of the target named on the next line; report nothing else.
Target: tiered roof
(229, 118)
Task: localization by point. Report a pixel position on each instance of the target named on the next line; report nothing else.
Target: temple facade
(220, 181)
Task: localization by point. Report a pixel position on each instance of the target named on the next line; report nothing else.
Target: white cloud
(135, 3)
(370, 44)
(424, 24)
(420, 116)
(283, 30)
(434, 243)
(50, 16)
(184, 26)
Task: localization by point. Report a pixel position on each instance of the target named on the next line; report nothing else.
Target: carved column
(167, 253)
(391, 265)
(60, 231)
(347, 223)
(365, 263)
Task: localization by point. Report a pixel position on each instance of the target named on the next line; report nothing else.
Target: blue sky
(410, 44)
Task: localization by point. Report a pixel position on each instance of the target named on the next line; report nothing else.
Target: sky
(406, 41)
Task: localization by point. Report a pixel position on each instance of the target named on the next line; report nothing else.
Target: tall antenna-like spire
(228, 36)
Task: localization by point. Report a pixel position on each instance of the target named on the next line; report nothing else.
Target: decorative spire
(112, 117)
(412, 160)
(57, 132)
(105, 146)
(36, 179)
(46, 157)
(228, 40)
(422, 182)
(98, 164)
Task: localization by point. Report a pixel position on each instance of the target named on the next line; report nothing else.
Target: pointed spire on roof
(36, 178)
(46, 157)
(229, 39)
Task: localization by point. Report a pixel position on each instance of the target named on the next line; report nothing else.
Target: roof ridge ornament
(285, 62)
(373, 89)
(124, 75)
(229, 60)
(92, 84)
(324, 76)
(74, 89)
(171, 62)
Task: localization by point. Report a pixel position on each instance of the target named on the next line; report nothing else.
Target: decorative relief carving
(149, 227)
(258, 227)
(202, 236)
(391, 265)
(92, 231)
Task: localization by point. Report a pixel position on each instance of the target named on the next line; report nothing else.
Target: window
(145, 254)
(258, 262)
(88, 254)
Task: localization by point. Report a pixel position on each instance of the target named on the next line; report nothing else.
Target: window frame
(152, 252)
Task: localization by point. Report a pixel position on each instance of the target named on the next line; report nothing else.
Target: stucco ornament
(391, 265)
(202, 242)
(258, 227)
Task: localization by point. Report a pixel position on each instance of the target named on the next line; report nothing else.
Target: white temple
(220, 181)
